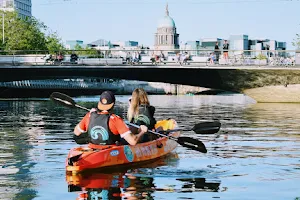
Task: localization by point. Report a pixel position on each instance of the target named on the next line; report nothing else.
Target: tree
(27, 34)
(93, 53)
(53, 42)
(23, 34)
(87, 51)
(296, 41)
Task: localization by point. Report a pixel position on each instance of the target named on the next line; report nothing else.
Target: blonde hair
(139, 97)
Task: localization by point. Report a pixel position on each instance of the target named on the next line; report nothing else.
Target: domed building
(166, 37)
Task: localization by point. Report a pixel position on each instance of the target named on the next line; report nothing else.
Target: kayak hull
(84, 157)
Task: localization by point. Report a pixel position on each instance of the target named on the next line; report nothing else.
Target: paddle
(187, 142)
(202, 128)
(65, 100)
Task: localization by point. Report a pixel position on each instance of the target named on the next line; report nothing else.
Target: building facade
(71, 44)
(239, 42)
(130, 43)
(166, 37)
(22, 7)
(192, 47)
(209, 43)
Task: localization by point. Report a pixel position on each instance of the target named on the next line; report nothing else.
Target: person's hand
(93, 110)
(144, 128)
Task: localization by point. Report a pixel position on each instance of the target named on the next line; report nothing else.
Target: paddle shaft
(191, 129)
(84, 108)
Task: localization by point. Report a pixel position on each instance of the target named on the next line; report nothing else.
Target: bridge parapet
(153, 57)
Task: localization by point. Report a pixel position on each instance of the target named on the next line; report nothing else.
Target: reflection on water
(133, 183)
(120, 186)
(198, 184)
(255, 154)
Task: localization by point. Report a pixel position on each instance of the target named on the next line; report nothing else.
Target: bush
(261, 57)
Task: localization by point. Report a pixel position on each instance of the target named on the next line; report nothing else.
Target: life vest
(145, 117)
(99, 131)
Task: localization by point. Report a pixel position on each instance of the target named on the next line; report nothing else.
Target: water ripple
(256, 152)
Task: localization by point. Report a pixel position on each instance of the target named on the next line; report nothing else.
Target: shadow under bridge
(203, 77)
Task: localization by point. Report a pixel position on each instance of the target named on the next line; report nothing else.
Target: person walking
(217, 51)
(225, 51)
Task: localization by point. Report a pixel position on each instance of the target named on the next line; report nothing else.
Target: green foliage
(89, 52)
(93, 53)
(261, 57)
(54, 43)
(26, 34)
(78, 47)
(296, 42)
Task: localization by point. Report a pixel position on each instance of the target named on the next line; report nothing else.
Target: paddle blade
(207, 127)
(192, 143)
(62, 99)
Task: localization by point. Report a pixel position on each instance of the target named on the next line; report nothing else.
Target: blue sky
(114, 20)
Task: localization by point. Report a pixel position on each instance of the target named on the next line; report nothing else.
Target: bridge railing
(207, 57)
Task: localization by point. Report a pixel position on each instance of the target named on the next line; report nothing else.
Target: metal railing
(151, 57)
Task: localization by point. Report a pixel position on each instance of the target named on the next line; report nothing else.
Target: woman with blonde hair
(140, 111)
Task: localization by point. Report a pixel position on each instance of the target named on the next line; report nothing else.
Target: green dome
(166, 22)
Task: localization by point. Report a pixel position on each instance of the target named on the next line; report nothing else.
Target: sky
(121, 20)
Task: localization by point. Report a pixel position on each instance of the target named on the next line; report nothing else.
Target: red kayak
(99, 157)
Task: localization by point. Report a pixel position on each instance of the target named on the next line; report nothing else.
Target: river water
(255, 155)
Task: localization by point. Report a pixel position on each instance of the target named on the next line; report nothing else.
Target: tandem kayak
(91, 157)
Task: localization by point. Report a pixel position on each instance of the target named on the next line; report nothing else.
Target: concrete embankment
(276, 93)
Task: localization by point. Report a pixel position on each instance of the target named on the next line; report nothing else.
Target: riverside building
(22, 7)
(166, 38)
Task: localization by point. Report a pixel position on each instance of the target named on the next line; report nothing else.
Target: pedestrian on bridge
(225, 51)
